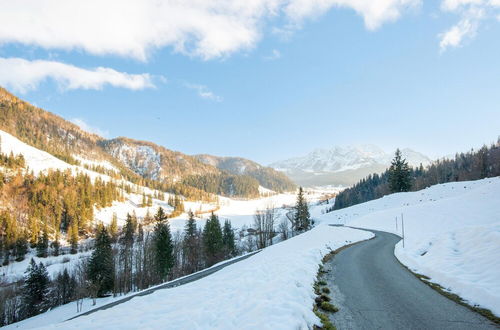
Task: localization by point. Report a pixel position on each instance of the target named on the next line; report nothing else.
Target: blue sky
(281, 79)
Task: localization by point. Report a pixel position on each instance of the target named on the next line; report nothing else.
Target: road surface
(374, 291)
(171, 284)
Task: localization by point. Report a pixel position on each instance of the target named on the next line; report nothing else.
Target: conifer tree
(35, 289)
(212, 240)
(126, 252)
(101, 268)
(73, 237)
(228, 239)
(191, 245)
(43, 244)
(144, 202)
(302, 218)
(65, 288)
(113, 228)
(399, 174)
(150, 201)
(163, 246)
(21, 247)
(56, 245)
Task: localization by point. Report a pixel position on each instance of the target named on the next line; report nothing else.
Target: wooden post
(403, 229)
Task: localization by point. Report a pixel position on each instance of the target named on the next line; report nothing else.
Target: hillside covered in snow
(452, 234)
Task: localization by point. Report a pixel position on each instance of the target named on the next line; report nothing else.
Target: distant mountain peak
(362, 159)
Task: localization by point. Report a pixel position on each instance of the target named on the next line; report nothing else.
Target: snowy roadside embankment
(271, 290)
(452, 234)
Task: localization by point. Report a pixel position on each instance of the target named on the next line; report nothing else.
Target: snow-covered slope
(271, 290)
(37, 160)
(452, 234)
(330, 166)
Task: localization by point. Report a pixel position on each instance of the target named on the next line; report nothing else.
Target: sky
(263, 79)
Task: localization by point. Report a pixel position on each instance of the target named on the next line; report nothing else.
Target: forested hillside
(140, 162)
(266, 176)
(472, 165)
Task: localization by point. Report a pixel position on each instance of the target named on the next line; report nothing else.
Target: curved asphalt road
(373, 291)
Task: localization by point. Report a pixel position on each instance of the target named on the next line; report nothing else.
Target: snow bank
(452, 234)
(271, 290)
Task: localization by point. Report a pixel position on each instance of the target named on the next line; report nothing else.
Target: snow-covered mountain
(343, 165)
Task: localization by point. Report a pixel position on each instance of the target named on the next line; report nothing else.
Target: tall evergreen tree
(400, 176)
(163, 246)
(101, 268)
(228, 239)
(35, 289)
(126, 252)
(113, 228)
(212, 240)
(301, 218)
(191, 245)
(65, 288)
(43, 244)
(73, 237)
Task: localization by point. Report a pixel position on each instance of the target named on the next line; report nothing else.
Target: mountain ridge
(132, 158)
(342, 165)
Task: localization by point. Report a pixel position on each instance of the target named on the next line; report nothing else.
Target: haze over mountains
(342, 165)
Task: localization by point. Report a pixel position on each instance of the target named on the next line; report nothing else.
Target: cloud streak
(472, 13)
(22, 75)
(204, 92)
(135, 28)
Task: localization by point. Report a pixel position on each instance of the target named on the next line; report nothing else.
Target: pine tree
(101, 268)
(191, 246)
(65, 288)
(163, 246)
(160, 215)
(144, 203)
(43, 244)
(21, 248)
(126, 251)
(228, 239)
(400, 176)
(150, 201)
(212, 240)
(113, 228)
(302, 218)
(56, 245)
(35, 289)
(73, 237)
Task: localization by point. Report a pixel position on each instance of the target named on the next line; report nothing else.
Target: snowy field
(452, 234)
(271, 290)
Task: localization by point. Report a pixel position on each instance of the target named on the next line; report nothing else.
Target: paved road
(171, 284)
(374, 291)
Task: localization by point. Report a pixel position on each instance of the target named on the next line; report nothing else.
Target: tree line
(130, 260)
(472, 165)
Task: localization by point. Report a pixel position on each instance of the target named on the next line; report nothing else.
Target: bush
(325, 290)
(326, 306)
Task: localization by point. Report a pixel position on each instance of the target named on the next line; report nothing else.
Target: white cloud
(456, 34)
(472, 13)
(135, 28)
(204, 92)
(275, 54)
(86, 127)
(23, 75)
(374, 12)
